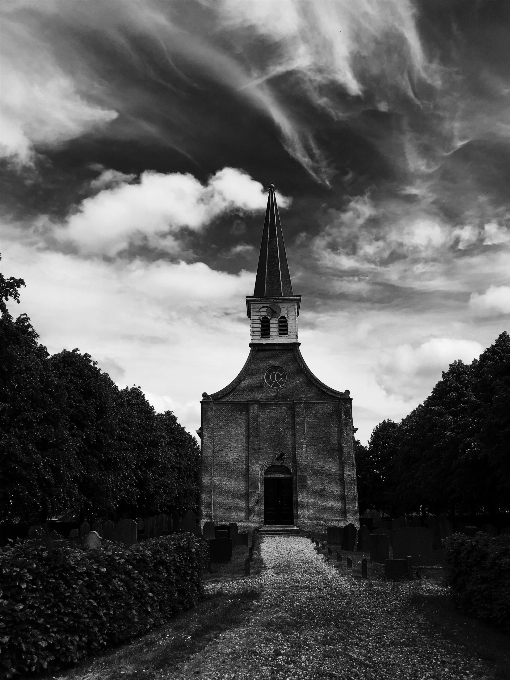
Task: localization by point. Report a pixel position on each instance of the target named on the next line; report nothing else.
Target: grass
(167, 647)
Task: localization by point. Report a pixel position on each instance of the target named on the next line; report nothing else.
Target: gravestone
(36, 531)
(416, 542)
(176, 522)
(126, 532)
(395, 570)
(220, 549)
(55, 536)
(208, 530)
(349, 562)
(444, 527)
(489, 529)
(367, 522)
(109, 531)
(339, 557)
(415, 521)
(234, 533)
(364, 568)
(363, 539)
(150, 527)
(468, 530)
(189, 523)
(222, 531)
(349, 538)
(398, 523)
(74, 536)
(334, 535)
(163, 523)
(384, 532)
(92, 540)
(140, 526)
(98, 528)
(247, 566)
(84, 529)
(409, 561)
(379, 548)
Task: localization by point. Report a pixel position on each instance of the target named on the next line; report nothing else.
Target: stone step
(279, 530)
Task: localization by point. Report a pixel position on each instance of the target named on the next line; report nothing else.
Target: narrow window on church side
(265, 327)
(283, 326)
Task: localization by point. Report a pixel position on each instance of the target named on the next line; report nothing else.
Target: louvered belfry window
(283, 326)
(265, 327)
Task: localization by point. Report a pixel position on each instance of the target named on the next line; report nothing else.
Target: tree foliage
(452, 452)
(72, 442)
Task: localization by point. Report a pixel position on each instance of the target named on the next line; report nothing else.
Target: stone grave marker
(55, 536)
(409, 561)
(444, 527)
(384, 532)
(417, 543)
(92, 540)
(234, 533)
(398, 523)
(349, 538)
(220, 549)
(36, 531)
(176, 522)
(364, 568)
(367, 522)
(126, 532)
(247, 566)
(489, 529)
(208, 530)
(339, 557)
(84, 529)
(222, 531)
(98, 528)
(334, 535)
(189, 523)
(395, 570)
(363, 544)
(74, 536)
(109, 530)
(242, 539)
(414, 521)
(379, 548)
(140, 526)
(349, 562)
(150, 527)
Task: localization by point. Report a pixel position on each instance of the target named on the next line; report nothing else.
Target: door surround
(278, 496)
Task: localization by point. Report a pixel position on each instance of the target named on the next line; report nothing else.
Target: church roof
(273, 278)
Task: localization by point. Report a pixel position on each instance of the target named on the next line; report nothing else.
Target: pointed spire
(273, 278)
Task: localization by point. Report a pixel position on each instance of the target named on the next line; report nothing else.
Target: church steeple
(273, 308)
(273, 278)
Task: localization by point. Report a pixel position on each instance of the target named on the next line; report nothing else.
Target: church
(277, 443)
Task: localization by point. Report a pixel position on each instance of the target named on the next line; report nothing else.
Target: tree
(377, 464)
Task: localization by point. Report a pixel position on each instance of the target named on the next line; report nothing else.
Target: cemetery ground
(299, 616)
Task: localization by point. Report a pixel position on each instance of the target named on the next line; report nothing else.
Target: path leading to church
(312, 622)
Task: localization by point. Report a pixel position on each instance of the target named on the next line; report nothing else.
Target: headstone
(36, 531)
(339, 557)
(415, 521)
(109, 531)
(247, 566)
(164, 523)
(379, 548)
(364, 568)
(334, 535)
(409, 561)
(398, 523)
(140, 526)
(349, 562)
(98, 528)
(383, 531)
(55, 536)
(220, 549)
(84, 529)
(126, 532)
(444, 527)
(74, 536)
(469, 530)
(176, 522)
(363, 539)
(208, 531)
(233, 533)
(395, 570)
(222, 530)
(416, 542)
(349, 538)
(489, 529)
(92, 540)
(189, 523)
(367, 522)
(150, 527)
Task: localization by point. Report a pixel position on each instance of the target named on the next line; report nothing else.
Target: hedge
(61, 603)
(477, 569)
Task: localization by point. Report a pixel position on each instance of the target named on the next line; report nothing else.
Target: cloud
(411, 372)
(494, 302)
(41, 104)
(156, 209)
(110, 179)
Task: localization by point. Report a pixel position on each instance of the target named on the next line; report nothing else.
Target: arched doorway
(278, 506)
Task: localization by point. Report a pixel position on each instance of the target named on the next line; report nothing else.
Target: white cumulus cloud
(411, 372)
(494, 302)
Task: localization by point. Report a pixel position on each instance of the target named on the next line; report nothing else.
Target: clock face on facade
(275, 377)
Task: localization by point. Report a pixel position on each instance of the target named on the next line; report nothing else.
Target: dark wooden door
(278, 500)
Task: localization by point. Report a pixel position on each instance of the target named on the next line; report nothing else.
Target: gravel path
(312, 622)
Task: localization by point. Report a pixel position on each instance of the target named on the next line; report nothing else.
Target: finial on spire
(273, 277)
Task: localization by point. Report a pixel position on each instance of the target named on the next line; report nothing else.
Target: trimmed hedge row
(59, 604)
(477, 568)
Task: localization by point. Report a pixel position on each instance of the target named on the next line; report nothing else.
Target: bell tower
(273, 308)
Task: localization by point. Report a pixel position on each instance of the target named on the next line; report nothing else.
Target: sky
(137, 142)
